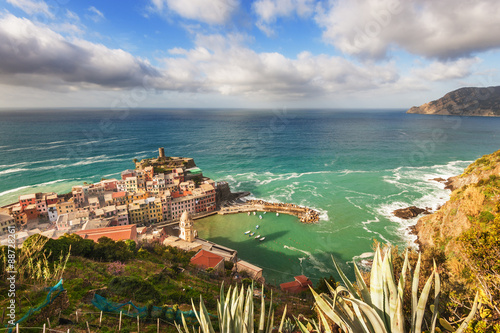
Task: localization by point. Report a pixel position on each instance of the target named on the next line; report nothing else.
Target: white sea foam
(34, 186)
(4, 172)
(320, 266)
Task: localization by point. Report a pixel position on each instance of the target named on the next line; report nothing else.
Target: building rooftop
(27, 196)
(206, 259)
(115, 233)
(300, 284)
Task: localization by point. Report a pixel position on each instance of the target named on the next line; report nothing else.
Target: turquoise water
(354, 166)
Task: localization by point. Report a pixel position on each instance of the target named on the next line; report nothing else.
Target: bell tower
(186, 226)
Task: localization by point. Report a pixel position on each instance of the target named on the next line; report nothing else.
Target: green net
(131, 310)
(52, 294)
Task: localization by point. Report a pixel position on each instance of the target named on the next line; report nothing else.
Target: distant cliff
(464, 102)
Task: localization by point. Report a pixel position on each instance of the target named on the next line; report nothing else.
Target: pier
(305, 214)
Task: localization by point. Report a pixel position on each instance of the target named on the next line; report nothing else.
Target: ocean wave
(36, 185)
(4, 172)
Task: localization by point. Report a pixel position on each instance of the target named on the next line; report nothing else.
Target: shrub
(134, 288)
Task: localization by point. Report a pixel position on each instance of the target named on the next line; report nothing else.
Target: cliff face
(475, 191)
(464, 102)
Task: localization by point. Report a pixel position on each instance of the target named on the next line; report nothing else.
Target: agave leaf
(371, 315)
(437, 291)
(402, 277)
(302, 328)
(471, 315)
(421, 304)
(326, 309)
(270, 315)
(446, 325)
(365, 293)
(324, 322)
(391, 296)
(360, 318)
(377, 284)
(344, 278)
(283, 320)
(414, 296)
(398, 320)
(262, 312)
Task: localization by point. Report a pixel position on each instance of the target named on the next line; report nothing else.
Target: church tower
(186, 226)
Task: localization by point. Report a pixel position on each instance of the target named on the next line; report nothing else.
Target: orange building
(300, 284)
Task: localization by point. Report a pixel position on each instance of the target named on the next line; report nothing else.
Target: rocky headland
(464, 102)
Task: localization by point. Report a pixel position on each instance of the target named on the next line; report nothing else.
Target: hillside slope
(464, 102)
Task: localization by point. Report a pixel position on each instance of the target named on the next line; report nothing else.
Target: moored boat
(257, 237)
(260, 217)
(247, 232)
(277, 214)
(257, 226)
(251, 234)
(260, 240)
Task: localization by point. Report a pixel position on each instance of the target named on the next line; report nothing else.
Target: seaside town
(157, 201)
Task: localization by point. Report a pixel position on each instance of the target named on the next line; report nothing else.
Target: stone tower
(161, 153)
(186, 226)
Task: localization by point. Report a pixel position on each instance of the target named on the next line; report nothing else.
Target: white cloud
(32, 7)
(95, 14)
(269, 10)
(224, 64)
(447, 70)
(211, 12)
(444, 29)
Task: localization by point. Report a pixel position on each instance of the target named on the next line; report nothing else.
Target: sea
(354, 166)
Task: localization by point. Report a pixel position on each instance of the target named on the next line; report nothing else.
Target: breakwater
(305, 214)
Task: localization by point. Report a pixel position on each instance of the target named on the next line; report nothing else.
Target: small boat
(248, 213)
(257, 237)
(260, 240)
(265, 212)
(257, 226)
(260, 217)
(277, 214)
(251, 234)
(254, 213)
(247, 232)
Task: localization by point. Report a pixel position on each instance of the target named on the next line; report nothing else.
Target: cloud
(224, 64)
(32, 7)
(447, 70)
(95, 14)
(34, 55)
(268, 11)
(212, 12)
(445, 29)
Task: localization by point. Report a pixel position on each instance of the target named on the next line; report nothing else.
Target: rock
(410, 212)
(439, 180)
(468, 101)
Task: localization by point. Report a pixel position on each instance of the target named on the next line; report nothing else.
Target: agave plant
(235, 312)
(379, 309)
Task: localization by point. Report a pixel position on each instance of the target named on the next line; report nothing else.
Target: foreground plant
(379, 309)
(235, 312)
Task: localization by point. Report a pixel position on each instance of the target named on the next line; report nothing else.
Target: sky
(244, 54)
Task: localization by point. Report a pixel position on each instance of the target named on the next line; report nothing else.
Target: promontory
(464, 102)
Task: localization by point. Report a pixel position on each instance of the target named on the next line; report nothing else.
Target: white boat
(257, 226)
(260, 240)
(277, 214)
(257, 237)
(254, 213)
(248, 213)
(247, 232)
(260, 217)
(265, 212)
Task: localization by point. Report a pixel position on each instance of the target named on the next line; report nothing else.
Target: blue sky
(252, 54)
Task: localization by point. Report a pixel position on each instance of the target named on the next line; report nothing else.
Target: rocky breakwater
(305, 214)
